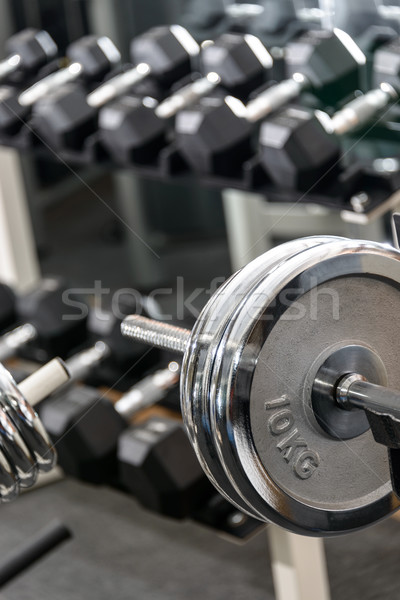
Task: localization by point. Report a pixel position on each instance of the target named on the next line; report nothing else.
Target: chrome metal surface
(117, 85)
(81, 363)
(15, 339)
(155, 333)
(148, 391)
(360, 393)
(350, 358)
(360, 111)
(52, 82)
(275, 97)
(248, 372)
(187, 95)
(25, 449)
(9, 65)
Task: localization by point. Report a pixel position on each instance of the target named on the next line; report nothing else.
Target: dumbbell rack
(297, 561)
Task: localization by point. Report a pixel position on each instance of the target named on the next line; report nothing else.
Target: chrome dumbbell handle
(187, 95)
(117, 85)
(15, 339)
(120, 84)
(81, 364)
(360, 111)
(148, 391)
(156, 333)
(51, 82)
(275, 97)
(9, 65)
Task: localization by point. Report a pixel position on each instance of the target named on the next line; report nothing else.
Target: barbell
(288, 384)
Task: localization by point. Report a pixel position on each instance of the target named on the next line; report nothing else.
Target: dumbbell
(297, 147)
(287, 384)
(25, 448)
(386, 75)
(49, 326)
(8, 311)
(164, 52)
(91, 58)
(297, 150)
(155, 461)
(135, 129)
(214, 136)
(28, 51)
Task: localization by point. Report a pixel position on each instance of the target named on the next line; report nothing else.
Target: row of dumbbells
(103, 435)
(197, 107)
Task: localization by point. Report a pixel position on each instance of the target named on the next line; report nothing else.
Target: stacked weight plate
(249, 369)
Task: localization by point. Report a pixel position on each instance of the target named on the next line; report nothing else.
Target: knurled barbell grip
(156, 333)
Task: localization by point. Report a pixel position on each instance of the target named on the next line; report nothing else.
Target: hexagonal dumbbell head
(158, 465)
(386, 68)
(85, 428)
(295, 149)
(213, 136)
(63, 117)
(97, 56)
(241, 61)
(34, 48)
(12, 114)
(168, 51)
(131, 131)
(329, 60)
(58, 316)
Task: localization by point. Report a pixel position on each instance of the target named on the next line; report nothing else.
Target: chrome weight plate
(203, 357)
(283, 465)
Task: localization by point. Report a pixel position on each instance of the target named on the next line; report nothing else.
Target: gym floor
(121, 551)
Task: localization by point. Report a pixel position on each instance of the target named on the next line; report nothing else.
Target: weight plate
(203, 355)
(270, 354)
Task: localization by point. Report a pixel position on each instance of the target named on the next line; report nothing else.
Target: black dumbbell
(85, 425)
(296, 150)
(49, 324)
(158, 466)
(386, 76)
(65, 117)
(299, 148)
(28, 51)
(91, 58)
(135, 129)
(8, 310)
(214, 136)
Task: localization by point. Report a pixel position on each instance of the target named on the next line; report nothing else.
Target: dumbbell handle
(148, 391)
(9, 64)
(82, 362)
(187, 95)
(121, 83)
(274, 97)
(15, 339)
(117, 85)
(51, 82)
(156, 333)
(361, 110)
